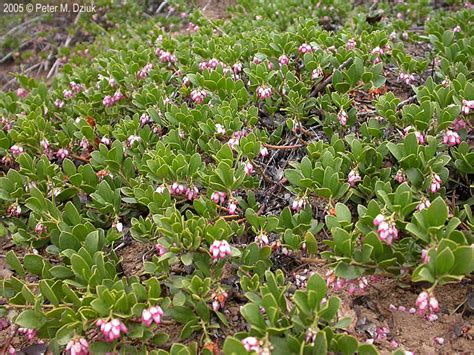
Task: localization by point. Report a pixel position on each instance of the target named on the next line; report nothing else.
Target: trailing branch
(326, 81)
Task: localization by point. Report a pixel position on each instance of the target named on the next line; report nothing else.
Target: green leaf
(444, 262)
(233, 346)
(320, 344)
(30, 319)
(33, 263)
(48, 292)
(14, 262)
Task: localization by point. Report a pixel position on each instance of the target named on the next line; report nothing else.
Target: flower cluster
(283, 60)
(353, 178)
(263, 92)
(248, 168)
(152, 314)
(387, 231)
(356, 286)
(451, 138)
(298, 204)
(316, 73)
(143, 73)
(78, 346)
(62, 153)
(165, 56)
(342, 117)
(407, 78)
(211, 64)
(193, 27)
(109, 100)
(160, 249)
(219, 249)
(427, 304)
(400, 176)
(14, 210)
(16, 150)
(111, 330)
(29, 333)
(435, 185)
(177, 189)
(251, 344)
(305, 48)
(198, 96)
(458, 124)
(424, 203)
(218, 197)
(467, 106)
(351, 44)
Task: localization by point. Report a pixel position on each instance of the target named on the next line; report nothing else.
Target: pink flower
(407, 78)
(21, 92)
(467, 106)
(59, 103)
(376, 60)
(387, 231)
(78, 346)
(76, 88)
(377, 51)
(427, 302)
(458, 124)
(457, 29)
(435, 185)
(237, 68)
(298, 204)
(111, 330)
(393, 36)
(439, 340)
(218, 197)
(232, 207)
(424, 203)
(353, 178)
(283, 60)
(160, 249)
(16, 150)
(40, 228)
(192, 27)
(105, 140)
(379, 219)
(30, 333)
(219, 249)
(451, 138)
(305, 48)
(152, 314)
(351, 44)
(198, 96)
(143, 73)
(263, 152)
(144, 119)
(220, 129)
(248, 168)
(68, 94)
(14, 210)
(132, 139)
(316, 73)
(62, 153)
(108, 101)
(400, 176)
(405, 35)
(263, 92)
(251, 344)
(425, 258)
(192, 193)
(342, 117)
